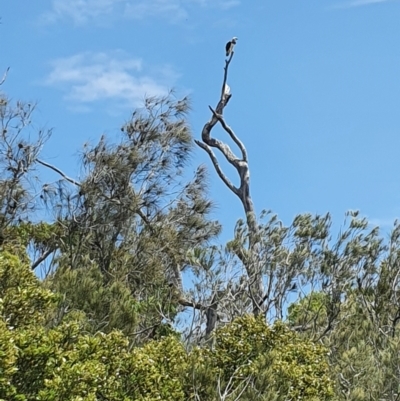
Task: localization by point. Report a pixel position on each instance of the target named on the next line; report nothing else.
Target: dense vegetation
(93, 304)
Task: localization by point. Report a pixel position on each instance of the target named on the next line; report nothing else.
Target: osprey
(230, 45)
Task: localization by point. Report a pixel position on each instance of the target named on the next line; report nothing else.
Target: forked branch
(242, 192)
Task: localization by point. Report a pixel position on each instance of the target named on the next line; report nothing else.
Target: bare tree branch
(4, 76)
(191, 304)
(231, 133)
(57, 170)
(251, 264)
(41, 258)
(217, 167)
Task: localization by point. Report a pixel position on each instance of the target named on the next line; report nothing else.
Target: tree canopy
(95, 300)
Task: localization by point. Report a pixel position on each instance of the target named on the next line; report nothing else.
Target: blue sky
(316, 88)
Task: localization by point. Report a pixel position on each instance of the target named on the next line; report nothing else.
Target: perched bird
(230, 45)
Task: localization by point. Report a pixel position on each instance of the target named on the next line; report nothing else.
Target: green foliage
(8, 358)
(88, 368)
(108, 304)
(157, 371)
(308, 310)
(363, 357)
(22, 300)
(41, 362)
(41, 234)
(101, 325)
(60, 361)
(263, 362)
(122, 236)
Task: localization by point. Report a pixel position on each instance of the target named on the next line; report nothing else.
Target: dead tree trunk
(249, 258)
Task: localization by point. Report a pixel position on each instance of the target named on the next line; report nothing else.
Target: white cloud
(89, 77)
(170, 9)
(359, 3)
(82, 11)
(226, 5)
